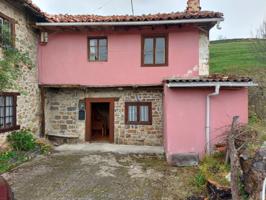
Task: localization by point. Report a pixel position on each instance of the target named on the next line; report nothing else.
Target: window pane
(93, 53)
(6, 31)
(9, 101)
(102, 42)
(144, 113)
(1, 29)
(103, 53)
(160, 51)
(132, 113)
(148, 51)
(1, 112)
(93, 42)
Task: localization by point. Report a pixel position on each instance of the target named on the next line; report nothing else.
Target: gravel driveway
(100, 176)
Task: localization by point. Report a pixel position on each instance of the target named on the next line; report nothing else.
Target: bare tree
(260, 44)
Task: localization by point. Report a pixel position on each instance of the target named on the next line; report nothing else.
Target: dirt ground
(100, 176)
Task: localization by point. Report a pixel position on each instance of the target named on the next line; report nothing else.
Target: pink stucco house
(141, 80)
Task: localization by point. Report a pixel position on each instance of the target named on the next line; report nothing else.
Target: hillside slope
(238, 57)
(229, 56)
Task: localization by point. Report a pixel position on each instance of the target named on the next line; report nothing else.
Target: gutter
(211, 84)
(131, 23)
(208, 113)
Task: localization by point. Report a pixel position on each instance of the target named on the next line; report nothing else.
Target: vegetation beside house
(22, 146)
(238, 57)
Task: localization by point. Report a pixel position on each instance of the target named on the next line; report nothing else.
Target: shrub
(44, 146)
(22, 140)
(214, 169)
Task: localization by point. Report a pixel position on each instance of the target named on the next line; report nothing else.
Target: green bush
(22, 140)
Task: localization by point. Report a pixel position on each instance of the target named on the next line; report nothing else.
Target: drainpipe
(263, 190)
(207, 131)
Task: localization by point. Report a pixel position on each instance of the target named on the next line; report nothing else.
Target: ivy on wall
(11, 62)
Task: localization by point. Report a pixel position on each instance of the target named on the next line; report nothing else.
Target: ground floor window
(8, 112)
(138, 113)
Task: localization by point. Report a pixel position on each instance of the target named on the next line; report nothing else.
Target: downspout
(207, 131)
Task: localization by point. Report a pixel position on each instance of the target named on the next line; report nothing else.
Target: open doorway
(100, 130)
(100, 120)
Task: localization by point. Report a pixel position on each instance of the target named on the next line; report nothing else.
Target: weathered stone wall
(61, 114)
(28, 104)
(203, 54)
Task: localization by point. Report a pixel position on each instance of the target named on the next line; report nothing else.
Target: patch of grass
(212, 168)
(234, 55)
(11, 159)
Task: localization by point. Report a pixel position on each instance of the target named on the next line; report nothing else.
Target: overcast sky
(242, 17)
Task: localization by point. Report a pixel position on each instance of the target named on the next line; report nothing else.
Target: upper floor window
(6, 30)
(154, 50)
(8, 112)
(98, 50)
(138, 113)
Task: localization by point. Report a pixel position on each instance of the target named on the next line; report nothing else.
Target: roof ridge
(145, 17)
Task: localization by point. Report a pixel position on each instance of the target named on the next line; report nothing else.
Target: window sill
(98, 61)
(139, 123)
(4, 130)
(154, 65)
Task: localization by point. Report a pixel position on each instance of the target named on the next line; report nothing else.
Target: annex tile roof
(130, 18)
(211, 79)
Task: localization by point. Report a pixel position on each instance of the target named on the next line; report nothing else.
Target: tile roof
(130, 18)
(33, 7)
(210, 79)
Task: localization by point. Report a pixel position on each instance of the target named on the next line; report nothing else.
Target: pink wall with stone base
(184, 117)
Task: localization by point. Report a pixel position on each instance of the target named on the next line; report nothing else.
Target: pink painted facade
(64, 59)
(185, 117)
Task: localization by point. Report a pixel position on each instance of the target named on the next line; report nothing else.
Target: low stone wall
(61, 114)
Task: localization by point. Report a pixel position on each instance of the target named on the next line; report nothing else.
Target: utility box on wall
(82, 112)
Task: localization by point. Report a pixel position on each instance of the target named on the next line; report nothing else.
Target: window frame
(97, 38)
(154, 36)
(12, 23)
(138, 104)
(15, 126)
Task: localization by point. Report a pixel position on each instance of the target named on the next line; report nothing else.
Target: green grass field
(231, 56)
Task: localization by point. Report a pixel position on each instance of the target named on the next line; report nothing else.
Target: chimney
(193, 6)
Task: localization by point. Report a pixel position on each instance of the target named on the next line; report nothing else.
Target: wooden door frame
(89, 101)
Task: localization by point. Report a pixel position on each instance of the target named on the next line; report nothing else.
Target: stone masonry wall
(61, 114)
(204, 54)
(28, 104)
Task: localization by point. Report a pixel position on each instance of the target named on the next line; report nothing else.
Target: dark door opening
(100, 129)
(100, 120)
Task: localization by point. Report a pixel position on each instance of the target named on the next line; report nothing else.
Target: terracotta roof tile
(212, 78)
(129, 18)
